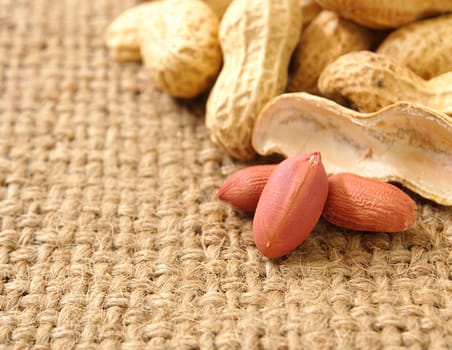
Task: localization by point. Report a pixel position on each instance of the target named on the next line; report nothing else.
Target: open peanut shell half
(404, 142)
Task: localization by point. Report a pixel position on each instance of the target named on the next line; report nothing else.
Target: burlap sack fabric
(111, 235)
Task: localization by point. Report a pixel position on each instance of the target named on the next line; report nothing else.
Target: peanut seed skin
(363, 204)
(290, 205)
(242, 189)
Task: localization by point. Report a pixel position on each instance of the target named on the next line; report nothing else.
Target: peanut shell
(368, 81)
(423, 46)
(326, 38)
(180, 47)
(384, 14)
(218, 6)
(257, 39)
(309, 10)
(406, 143)
(122, 35)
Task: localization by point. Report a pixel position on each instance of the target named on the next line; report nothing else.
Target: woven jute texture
(112, 237)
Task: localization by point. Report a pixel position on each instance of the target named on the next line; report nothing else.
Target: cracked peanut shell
(404, 142)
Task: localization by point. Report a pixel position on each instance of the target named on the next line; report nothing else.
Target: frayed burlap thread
(111, 236)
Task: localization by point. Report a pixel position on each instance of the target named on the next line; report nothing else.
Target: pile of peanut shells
(372, 80)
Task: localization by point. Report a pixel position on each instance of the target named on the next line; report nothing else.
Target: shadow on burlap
(111, 235)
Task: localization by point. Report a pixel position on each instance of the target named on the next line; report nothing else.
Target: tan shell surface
(382, 14)
(122, 35)
(309, 10)
(326, 38)
(405, 143)
(257, 39)
(368, 81)
(180, 47)
(423, 46)
(218, 6)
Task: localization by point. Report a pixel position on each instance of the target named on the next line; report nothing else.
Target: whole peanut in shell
(327, 37)
(368, 81)
(423, 46)
(122, 35)
(180, 47)
(383, 14)
(257, 39)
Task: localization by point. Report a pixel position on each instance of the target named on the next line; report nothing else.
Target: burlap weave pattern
(111, 236)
